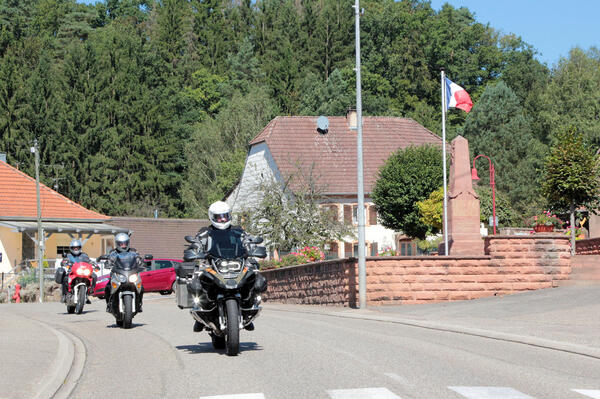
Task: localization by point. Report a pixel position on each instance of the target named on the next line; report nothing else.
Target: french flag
(457, 97)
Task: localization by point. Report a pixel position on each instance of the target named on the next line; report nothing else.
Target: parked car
(159, 276)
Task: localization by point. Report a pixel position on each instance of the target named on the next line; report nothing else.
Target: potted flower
(545, 222)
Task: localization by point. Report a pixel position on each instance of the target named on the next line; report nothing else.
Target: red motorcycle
(79, 286)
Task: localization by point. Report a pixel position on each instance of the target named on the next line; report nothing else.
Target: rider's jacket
(114, 254)
(71, 259)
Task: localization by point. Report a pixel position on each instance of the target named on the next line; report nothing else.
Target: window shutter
(348, 214)
(372, 215)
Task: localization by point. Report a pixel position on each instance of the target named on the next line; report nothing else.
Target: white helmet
(220, 215)
(75, 247)
(122, 242)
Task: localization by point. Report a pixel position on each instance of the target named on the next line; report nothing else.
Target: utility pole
(40, 235)
(362, 269)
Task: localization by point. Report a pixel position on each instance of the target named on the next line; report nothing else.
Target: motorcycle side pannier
(184, 297)
(60, 274)
(185, 269)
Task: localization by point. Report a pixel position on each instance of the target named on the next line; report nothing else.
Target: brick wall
(511, 264)
(589, 246)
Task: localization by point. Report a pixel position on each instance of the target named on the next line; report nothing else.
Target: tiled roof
(163, 238)
(294, 140)
(18, 199)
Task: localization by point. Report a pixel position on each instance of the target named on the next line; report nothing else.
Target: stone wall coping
(320, 263)
(434, 258)
(530, 237)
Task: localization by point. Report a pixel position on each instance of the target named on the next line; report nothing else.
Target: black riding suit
(112, 256)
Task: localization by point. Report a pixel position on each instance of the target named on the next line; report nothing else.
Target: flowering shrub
(545, 219)
(305, 255)
(388, 251)
(313, 254)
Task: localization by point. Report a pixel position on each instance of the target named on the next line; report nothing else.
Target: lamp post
(492, 184)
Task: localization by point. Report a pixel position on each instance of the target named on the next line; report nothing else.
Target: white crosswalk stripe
(362, 393)
(236, 396)
(590, 393)
(490, 393)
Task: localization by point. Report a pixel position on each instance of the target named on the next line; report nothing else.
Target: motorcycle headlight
(120, 278)
(226, 266)
(86, 272)
(133, 278)
(80, 272)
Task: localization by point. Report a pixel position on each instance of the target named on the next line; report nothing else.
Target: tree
(410, 175)
(431, 210)
(496, 127)
(572, 175)
(289, 216)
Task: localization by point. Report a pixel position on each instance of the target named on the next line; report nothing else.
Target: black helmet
(122, 242)
(75, 247)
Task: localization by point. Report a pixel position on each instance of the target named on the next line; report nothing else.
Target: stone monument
(464, 237)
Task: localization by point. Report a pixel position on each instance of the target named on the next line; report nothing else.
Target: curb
(576, 349)
(67, 366)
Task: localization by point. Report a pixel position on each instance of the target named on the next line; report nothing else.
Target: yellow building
(62, 220)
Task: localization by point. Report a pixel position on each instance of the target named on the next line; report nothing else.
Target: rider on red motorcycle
(75, 255)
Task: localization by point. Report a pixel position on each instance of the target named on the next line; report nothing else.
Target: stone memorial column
(464, 237)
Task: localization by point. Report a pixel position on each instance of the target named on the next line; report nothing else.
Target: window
(163, 264)
(62, 250)
(355, 214)
(374, 249)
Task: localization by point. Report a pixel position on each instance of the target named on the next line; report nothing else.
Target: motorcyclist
(219, 215)
(74, 255)
(122, 241)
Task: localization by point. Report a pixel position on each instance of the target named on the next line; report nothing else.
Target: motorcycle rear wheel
(127, 311)
(232, 337)
(80, 300)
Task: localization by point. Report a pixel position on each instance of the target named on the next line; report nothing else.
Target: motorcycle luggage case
(184, 297)
(184, 269)
(59, 276)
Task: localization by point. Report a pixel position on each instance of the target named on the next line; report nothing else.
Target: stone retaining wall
(589, 246)
(511, 264)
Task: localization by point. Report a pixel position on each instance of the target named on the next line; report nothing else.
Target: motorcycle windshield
(226, 244)
(126, 261)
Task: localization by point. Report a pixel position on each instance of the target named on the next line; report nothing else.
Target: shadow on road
(84, 312)
(206, 347)
(133, 325)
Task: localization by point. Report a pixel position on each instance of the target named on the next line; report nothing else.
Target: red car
(158, 277)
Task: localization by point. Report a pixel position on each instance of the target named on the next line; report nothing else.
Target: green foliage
(496, 127)
(572, 172)
(29, 277)
(290, 216)
(505, 213)
(408, 176)
(141, 105)
(431, 210)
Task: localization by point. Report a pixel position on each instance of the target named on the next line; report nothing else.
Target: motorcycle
(125, 289)
(221, 286)
(79, 285)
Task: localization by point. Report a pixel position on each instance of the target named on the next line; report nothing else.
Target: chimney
(2, 157)
(352, 118)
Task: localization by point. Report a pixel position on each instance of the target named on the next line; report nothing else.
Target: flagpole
(445, 226)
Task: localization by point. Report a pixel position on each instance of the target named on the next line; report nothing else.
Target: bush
(28, 278)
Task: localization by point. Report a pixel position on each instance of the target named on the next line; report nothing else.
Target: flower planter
(542, 228)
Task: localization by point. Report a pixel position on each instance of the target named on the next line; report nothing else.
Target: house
(292, 143)
(62, 220)
(161, 237)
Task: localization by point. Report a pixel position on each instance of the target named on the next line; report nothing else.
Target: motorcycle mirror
(148, 257)
(102, 257)
(64, 254)
(258, 252)
(190, 239)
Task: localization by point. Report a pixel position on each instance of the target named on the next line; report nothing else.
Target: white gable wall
(260, 166)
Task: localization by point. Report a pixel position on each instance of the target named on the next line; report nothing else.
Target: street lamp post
(492, 184)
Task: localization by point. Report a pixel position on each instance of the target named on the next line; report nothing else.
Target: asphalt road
(298, 354)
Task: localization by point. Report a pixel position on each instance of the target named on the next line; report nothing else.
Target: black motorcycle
(125, 288)
(222, 285)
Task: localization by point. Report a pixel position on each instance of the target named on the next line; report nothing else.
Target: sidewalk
(35, 357)
(565, 318)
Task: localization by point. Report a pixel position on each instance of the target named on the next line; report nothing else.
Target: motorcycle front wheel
(80, 300)
(232, 338)
(127, 311)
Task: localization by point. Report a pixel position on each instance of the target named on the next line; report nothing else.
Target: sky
(553, 27)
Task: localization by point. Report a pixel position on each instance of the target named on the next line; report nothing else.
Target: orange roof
(18, 199)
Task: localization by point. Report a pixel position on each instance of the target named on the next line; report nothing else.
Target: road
(295, 353)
